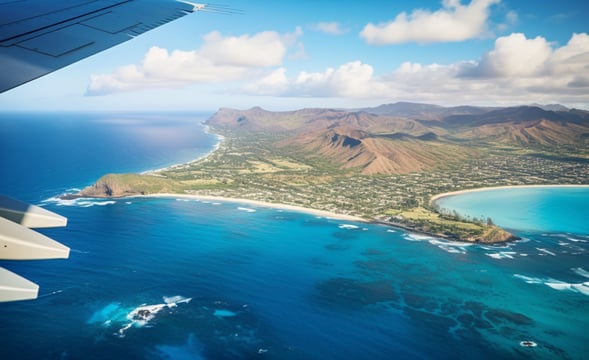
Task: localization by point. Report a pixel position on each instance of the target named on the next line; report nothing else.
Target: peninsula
(380, 164)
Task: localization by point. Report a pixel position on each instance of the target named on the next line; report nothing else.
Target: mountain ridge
(407, 137)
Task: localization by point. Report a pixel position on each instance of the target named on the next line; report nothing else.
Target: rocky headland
(382, 164)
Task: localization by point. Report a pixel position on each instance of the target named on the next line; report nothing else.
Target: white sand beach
(321, 213)
(455, 193)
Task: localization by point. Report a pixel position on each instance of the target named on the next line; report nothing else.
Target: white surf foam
(452, 247)
(348, 226)
(528, 279)
(582, 288)
(502, 255)
(142, 315)
(80, 202)
(246, 209)
(545, 251)
(173, 301)
(86, 204)
(582, 272)
(127, 318)
(495, 247)
(417, 237)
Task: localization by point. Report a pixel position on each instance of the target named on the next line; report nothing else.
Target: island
(382, 164)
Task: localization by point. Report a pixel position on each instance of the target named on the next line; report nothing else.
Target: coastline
(320, 213)
(438, 197)
(220, 139)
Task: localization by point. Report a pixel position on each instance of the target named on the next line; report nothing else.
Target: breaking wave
(79, 202)
(125, 318)
(582, 288)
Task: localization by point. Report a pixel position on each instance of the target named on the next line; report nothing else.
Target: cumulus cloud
(331, 28)
(263, 49)
(275, 83)
(453, 22)
(516, 55)
(354, 79)
(218, 59)
(516, 70)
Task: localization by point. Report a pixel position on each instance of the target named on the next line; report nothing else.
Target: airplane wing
(41, 36)
(19, 242)
(36, 38)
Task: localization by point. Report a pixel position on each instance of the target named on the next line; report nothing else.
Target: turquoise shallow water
(551, 208)
(185, 279)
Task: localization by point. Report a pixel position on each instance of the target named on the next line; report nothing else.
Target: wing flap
(20, 243)
(28, 215)
(14, 287)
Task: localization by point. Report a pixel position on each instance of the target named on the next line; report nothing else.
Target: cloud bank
(219, 59)
(516, 69)
(453, 22)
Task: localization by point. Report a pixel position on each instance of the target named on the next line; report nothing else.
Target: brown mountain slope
(524, 125)
(352, 148)
(258, 119)
(541, 132)
(392, 144)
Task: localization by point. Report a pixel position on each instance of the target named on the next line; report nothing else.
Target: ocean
(177, 278)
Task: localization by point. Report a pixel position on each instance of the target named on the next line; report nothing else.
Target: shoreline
(220, 139)
(320, 213)
(438, 197)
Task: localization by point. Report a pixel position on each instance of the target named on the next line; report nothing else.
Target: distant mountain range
(405, 137)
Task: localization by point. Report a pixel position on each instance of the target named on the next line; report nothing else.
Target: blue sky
(293, 54)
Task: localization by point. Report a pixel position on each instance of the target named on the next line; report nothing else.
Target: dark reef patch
(352, 293)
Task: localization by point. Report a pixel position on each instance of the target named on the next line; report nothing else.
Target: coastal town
(250, 167)
(381, 168)
(237, 170)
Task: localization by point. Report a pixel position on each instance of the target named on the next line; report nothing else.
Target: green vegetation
(384, 168)
(251, 166)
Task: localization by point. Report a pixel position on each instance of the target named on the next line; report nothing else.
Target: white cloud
(453, 22)
(262, 49)
(219, 59)
(516, 70)
(331, 28)
(352, 80)
(274, 83)
(572, 59)
(515, 55)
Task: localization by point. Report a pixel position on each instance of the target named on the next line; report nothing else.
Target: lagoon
(557, 208)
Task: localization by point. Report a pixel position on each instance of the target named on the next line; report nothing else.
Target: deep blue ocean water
(152, 278)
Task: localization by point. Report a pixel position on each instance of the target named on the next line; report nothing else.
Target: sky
(287, 55)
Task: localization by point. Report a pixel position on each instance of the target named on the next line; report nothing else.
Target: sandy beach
(321, 213)
(454, 193)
